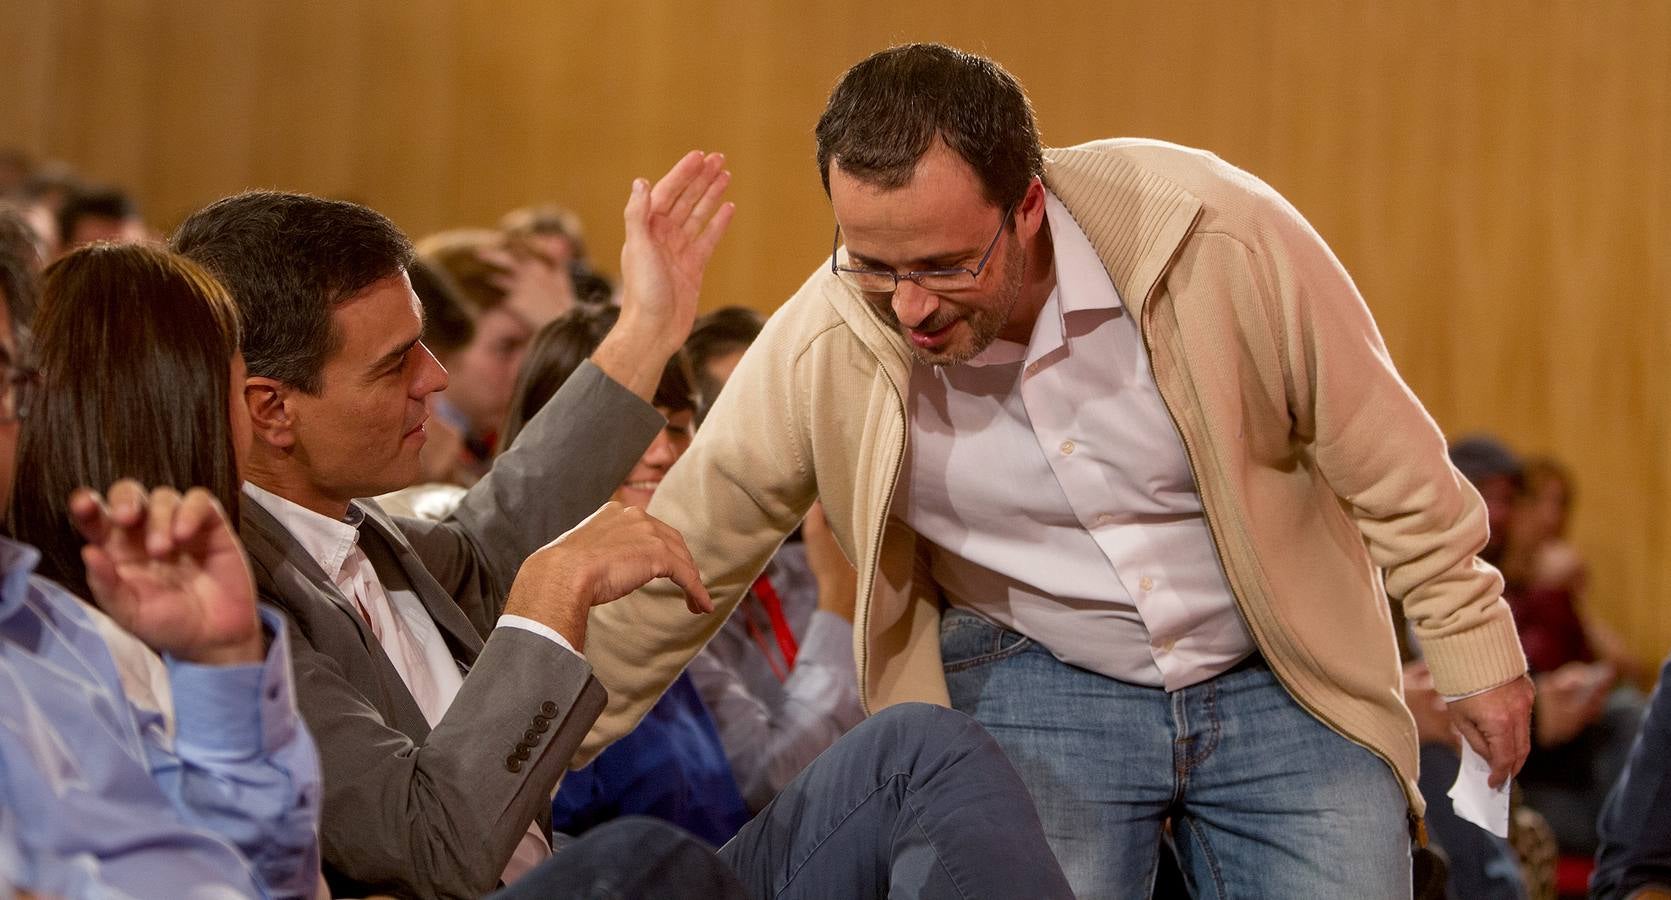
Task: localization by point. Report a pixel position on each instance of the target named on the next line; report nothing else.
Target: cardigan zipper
(876, 542)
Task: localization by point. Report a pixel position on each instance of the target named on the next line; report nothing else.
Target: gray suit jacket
(414, 811)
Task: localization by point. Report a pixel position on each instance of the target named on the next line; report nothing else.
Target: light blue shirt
(103, 805)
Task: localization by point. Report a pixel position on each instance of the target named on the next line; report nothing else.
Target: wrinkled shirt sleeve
(244, 766)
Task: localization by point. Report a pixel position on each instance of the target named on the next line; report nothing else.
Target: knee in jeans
(928, 725)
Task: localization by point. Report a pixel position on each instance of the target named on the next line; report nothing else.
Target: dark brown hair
(288, 260)
(888, 110)
(559, 349)
(135, 346)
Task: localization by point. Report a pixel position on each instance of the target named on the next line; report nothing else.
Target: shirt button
(1146, 583)
(1105, 519)
(1067, 447)
(1166, 647)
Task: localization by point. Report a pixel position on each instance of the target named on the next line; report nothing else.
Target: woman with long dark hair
(141, 377)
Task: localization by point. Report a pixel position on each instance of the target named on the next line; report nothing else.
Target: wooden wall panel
(1496, 174)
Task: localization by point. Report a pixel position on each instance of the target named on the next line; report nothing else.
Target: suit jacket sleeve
(566, 463)
(442, 817)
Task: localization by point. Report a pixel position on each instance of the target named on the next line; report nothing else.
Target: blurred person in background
(1582, 725)
(558, 233)
(510, 290)
(97, 214)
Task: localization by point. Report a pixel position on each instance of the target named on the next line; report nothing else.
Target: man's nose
(912, 305)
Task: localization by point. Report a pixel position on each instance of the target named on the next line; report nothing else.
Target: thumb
(637, 213)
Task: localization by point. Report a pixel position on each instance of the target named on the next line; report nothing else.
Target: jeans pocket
(967, 641)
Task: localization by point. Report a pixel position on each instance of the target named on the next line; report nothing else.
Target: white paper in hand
(1472, 796)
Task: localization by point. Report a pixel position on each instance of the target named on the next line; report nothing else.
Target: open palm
(671, 231)
(169, 570)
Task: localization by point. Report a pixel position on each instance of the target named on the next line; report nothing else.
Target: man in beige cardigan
(1127, 474)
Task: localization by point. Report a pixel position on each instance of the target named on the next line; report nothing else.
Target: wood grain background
(1495, 173)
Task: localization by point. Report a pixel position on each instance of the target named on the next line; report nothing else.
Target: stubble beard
(986, 322)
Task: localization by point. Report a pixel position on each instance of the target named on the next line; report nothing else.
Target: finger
(497, 256)
(671, 185)
(713, 166)
(197, 517)
(89, 515)
(159, 528)
(707, 204)
(711, 233)
(638, 209)
(127, 503)
(683, 571)
(101, 575)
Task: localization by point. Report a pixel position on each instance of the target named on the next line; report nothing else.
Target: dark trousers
(917, 801)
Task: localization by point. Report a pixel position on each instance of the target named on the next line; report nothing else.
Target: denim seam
(1200, 837)
(985, 658)
(813, 850)
(939, 858)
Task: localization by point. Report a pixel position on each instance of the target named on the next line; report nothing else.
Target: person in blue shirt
(100, 799)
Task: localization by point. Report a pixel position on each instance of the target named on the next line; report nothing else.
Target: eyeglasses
(18, 385)
(886, 281)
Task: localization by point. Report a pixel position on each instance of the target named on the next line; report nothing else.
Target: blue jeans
(1265, 801)
(916, 803)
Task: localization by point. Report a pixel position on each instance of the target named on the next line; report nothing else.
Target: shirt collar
(1082, 283)
(329, 541)
(17, 564)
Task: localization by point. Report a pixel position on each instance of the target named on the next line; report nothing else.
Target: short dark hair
(135, 346)
(94, 203)
(559, 349)
(718, 333)
(288, 259)
(888, 110)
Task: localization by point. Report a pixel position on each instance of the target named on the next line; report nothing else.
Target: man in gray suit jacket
(444, 690)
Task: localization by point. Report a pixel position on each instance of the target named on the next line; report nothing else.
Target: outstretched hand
(672, 228)
(610, 554)
(170, 570)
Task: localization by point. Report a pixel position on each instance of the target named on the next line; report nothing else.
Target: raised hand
(170, 570)
(615, 551)
(672, 228)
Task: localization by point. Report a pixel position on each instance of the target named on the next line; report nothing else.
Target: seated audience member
(105, 214)
(558, 234)
(672, 766)
(105, 802)
(1538, 559)
(1581, 726)
(1634, 859)
(779, 677)
(510, 291)
(439, 664)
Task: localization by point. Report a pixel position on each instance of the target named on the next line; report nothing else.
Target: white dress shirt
(407, 634)
(1054, 489)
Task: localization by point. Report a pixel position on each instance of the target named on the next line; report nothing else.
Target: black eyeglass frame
(848, 273)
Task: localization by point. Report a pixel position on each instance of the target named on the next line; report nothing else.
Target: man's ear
(270, 413)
